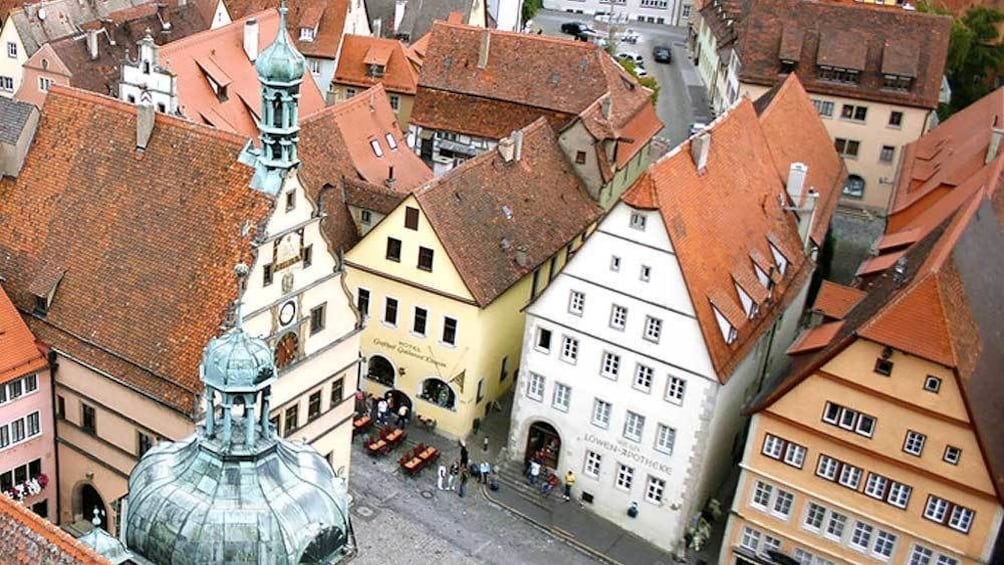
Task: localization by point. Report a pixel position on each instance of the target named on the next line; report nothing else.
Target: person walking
(464, 475)
(402, 416)
(451, 481)
(486, 469)
(569, 481)
(382, 411)
(534, 471)
(465, 457)
(441, 477)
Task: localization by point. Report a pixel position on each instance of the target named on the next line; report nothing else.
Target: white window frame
(653, 329)
(618, 317)
(665, 439)
(11, 50)
(624, 478)
(783, 502)
(836, 525)
(861, 536)
(601, 413)
(884, 544)
(750, 539)
(761, 496)
(562, 397)
(810, 513)
(877, 486)
(634, 426)
(827, 468)
(592, 464)
(615, 263)
(644, 376)
(576, 302)
(646, 273)
(899, 494)
(538, 335)
(569, 349)
(655, 490)
(794, 455)
(535, 385)
(913, 443)
(850, 476)
(610, 365)
(952, 455)
(676, 390)
(638, 221)
(769, 443)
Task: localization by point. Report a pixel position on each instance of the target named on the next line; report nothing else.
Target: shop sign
(628, 451)
(410, 349)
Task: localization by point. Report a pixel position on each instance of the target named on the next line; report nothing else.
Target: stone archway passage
(543, 441)
(88, 499)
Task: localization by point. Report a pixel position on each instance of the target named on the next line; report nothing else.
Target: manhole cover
(426, 493)
(364, 511)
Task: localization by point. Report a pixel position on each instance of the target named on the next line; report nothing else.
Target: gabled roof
(848, 35)
(419, 16)
(125, 28)
(28, 539)
(836, 300)
(148, 266)
(326, 16)
(943, 303)
(720, 217)
(949, 158)
(486, 208)
(335, 144)
(61, 18)
(19, 354)
(220, 52)
(400, 74)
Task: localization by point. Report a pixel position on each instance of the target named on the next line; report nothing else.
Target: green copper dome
(280, 62)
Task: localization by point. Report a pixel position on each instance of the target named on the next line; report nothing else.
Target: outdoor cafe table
(378, 447)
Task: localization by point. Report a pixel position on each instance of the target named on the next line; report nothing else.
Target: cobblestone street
(400, 519)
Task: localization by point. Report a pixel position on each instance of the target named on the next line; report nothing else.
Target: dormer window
(375, 71)
(788, 66)
(895, 82)
(391, 142)
(779, 259)
(306, 34)
(747, 301)
(761, 276)
(837, 74)
(376, 148)
(729, 333)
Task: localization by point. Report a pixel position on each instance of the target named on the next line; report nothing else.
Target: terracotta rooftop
(942, 304)
(419, 16)
(219, 54)
(28, 539)
(62, 18)
(486, 208)
(148, 266)
(19, 354)
(813, 33)
(836, 300)
(815, 338)
(726, 218)
(326, 16)
(400, 73)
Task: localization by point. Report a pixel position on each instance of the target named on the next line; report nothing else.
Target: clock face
(286, 313)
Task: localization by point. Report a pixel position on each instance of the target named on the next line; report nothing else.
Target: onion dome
(280, 62)
(236, 361)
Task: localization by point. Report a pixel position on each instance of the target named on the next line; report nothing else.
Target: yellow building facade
(855, 466)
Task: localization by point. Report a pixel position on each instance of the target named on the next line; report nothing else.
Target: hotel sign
(410, 349)
(630, 451)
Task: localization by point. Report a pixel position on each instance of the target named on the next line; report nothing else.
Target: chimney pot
(399, 7)
(144, 121)
(507, 148)
(605, 105)
(517, 139)
(92, 44)
(521, 258)
(251, 39)
(390, 181)
(807, 217)
(700, 147)
(486, 43)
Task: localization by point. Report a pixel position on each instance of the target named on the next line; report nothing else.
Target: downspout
(51, 357)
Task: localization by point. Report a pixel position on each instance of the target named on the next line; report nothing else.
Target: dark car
(574, 28)
(662, 54)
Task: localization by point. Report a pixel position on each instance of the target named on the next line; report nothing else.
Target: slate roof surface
(419, 15)
(149, 262)
(719, 218)
(19, 355)
(328, 16)
(220, 52)
(765, 31)
(14, 116)
(400, 74)
(945, 307)
(28, 539)
(547, 205)
(63, 18)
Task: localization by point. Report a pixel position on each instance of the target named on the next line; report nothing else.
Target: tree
(648, 82)
(975, 52)
(530, 9)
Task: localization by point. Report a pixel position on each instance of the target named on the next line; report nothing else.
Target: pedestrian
(441, 477)
(463, 482)
(534, 471)
(451, 481)
(484, 445)
(402, 416)
(382, 411)
(465, 457)
(486, 469)
(569, 481)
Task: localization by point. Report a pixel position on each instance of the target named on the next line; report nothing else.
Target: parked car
(574, 28)
(633, 57)
(662, 54)
(697, 127)
(640, 72)
(630, 36)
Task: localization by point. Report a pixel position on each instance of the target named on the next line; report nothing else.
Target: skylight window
(779, 259)
(391, 142)
(376, 148)
(507, 211)
(729, 333)
(761, 276)
(746, 300)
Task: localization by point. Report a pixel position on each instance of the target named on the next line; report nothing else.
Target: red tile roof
(28, 539)
(327, 16)
(815, 338)
(836, 300)
(717, 218)
(19, 354)
(547, 204)
(400, 73)
(477, 116)
(220, 53)
(844, 34)
(149, 262)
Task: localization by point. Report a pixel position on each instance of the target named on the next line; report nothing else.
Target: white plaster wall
(324, 73)
(11, 66)
(161, 86)
(632, 9)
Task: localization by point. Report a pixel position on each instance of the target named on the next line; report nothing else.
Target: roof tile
(28, 539)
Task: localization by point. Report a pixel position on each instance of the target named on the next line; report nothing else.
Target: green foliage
(530, 9)
(648, 82)
(975, 53)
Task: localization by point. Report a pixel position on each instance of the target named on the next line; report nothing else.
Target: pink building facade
(27, 446)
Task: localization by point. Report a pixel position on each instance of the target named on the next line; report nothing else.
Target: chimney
(796, 182)
(807, 217)
(144, 121)
(486, 44)
(377, 27)
(251, 39)
(700, 146)
(92, 44)
(521, 259)
(399, 6)
(390, 181)
(995, 144)
(507, 148)
(517, 145)
(605, 106)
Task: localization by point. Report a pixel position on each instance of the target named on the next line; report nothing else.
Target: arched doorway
(438, 392)
(854, 186)
(381, 370)
(543, 440)
(86, 500)
(396, 398)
